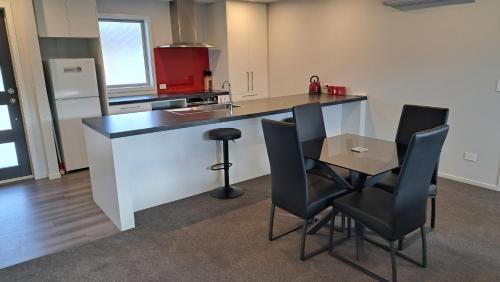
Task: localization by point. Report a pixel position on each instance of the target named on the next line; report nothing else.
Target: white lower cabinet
(129, 108)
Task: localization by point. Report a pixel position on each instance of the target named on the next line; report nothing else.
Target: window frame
(150, 85)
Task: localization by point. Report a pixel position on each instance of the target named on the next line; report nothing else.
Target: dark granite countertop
(131, 124)
(122, 100)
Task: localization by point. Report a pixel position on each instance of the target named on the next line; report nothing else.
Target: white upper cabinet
(82, 18)
(258, 49)
(51, 18)
(238, 54)
(66, 18)
(247, 49)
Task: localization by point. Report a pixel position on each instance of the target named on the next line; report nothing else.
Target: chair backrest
(410, 194)
(288, 175)
(309, 121)
(415, 118)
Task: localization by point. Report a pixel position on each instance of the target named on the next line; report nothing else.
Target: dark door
(14, 158)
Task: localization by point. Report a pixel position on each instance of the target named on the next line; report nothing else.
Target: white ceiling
(211, 1)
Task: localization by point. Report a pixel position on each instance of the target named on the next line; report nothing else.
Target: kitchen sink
(202, 109)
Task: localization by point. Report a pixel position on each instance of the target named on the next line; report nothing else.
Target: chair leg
(303, 255)
(271, 225)
(349, 226)
(303, 240)
(393, 262)
(393, 252)
(271, 222)
(343, 223)
(424, 247)
(332, 227)
(422, 263)
(433, 212)
(303, 225)
(391, 249)
(359, 240)
(400, 244)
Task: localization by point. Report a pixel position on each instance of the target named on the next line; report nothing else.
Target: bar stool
(224, 135)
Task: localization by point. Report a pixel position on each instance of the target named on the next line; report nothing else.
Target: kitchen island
(141, 160)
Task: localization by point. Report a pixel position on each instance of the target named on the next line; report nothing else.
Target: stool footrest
(220, 166)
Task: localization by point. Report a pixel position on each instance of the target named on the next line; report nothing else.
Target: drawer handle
(250, 95)
(131, 107)
(73, 69)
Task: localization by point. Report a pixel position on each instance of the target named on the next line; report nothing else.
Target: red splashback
(181, 69)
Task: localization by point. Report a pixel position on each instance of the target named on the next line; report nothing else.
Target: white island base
(133, 173)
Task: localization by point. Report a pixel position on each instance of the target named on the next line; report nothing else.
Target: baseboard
(12, 180)
(469, 181)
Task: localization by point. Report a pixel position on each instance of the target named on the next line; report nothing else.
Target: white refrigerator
(73, 95)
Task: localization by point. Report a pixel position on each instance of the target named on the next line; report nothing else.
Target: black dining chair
(393, 215)
(309, 121)
(311, 126)
(413, 119)
(293, 189)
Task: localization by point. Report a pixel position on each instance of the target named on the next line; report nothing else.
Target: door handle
(248, 81)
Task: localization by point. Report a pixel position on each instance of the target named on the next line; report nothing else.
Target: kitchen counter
(131, 124)
(141, 160)
(123, 100)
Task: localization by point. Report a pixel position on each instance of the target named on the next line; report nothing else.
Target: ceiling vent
(404, 3)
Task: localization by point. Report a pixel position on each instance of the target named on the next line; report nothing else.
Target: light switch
(498, 85)
(163, 86)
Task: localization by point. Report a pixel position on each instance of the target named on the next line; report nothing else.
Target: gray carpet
(203, 239)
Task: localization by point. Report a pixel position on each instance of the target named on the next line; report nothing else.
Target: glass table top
(381, 156)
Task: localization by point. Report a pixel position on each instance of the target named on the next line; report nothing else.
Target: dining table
(367, 159)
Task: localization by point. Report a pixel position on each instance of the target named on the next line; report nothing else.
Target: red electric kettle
(314, 85)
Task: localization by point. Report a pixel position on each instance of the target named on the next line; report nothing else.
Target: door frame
(5, 5)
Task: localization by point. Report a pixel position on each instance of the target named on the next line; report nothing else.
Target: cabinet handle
(130, 107)
(252, 81)
(248, 81)
(250, 95)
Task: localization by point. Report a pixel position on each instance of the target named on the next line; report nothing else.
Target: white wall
(445, 56)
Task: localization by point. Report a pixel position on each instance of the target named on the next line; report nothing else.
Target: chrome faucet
(226, 82)
(230, 103)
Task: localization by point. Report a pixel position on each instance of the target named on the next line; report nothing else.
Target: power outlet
(498, 85)
(163, 86)
(472, 157)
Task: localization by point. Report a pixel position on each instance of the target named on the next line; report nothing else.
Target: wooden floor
(46, 216)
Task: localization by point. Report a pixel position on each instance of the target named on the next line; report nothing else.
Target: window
(126, 53)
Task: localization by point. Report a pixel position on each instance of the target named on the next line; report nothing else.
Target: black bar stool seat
(221, 134)
(225, 134)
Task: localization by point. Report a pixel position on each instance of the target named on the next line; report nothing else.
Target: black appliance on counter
(200, 101)
(184, 103)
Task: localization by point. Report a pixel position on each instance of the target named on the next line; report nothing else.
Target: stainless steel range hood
(184, 34)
